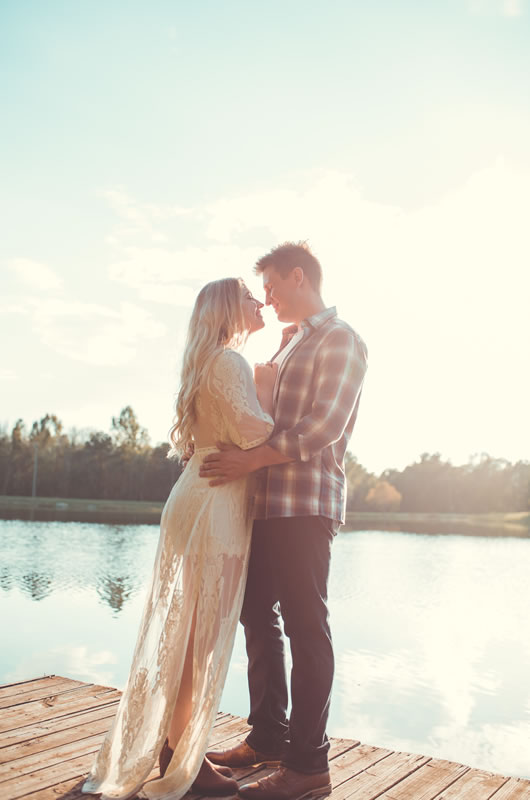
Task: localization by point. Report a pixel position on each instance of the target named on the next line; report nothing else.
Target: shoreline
(148, 512)
(512, 523)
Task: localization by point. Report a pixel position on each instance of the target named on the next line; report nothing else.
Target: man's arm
(232, 463)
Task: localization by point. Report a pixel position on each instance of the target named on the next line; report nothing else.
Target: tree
(127, 431)
(383, 497)
(11, 451)
(92, 473)
(48, 428)
(426, 485)
(359, 482)
(51, 447)
(17, 467)
(161, 473)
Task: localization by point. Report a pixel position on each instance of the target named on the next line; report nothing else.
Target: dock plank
(33, 763)
(513, 789)
(33, 732)
(66, 790)
(28, 680)
(14, 689)
(39, 693)
(354, 761)
(46, 777)
(17, 755)
(435, 776)
(51, 727)
(374, 780)
(473, 785)
(222, 717)
(56, 706)
(236, 727)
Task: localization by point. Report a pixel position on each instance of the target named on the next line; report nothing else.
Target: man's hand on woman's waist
(231, 463)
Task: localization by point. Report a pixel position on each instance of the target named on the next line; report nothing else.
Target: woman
(186, 635)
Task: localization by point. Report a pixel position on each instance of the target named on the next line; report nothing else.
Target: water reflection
(116, 581)
(78, 661)
(6, 580)
(115, 592)
(429, 631)
(38, 585)
(40, 558)
(436, 658)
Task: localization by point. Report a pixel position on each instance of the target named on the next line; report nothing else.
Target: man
(299, 505)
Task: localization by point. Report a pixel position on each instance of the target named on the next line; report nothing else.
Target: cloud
(77, 661)
(7, 375)
(174, 276)
(303, 206)
(149, 258)
(13, 307)
(94, 334)
(505, 8)
(513, 8)
(140, 218)
(35, 274)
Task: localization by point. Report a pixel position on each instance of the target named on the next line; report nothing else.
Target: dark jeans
(288, 569)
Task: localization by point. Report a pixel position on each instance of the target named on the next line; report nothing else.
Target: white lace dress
(200, 568)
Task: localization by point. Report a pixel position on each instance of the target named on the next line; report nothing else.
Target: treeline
(122, 465)
(485, 484)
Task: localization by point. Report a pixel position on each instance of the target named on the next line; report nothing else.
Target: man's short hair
(289, 255)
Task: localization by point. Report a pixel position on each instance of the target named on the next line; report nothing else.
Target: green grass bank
(135, 512)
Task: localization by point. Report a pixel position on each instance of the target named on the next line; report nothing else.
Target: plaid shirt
(315, 406)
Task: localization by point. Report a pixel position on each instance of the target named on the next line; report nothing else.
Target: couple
(276, 443)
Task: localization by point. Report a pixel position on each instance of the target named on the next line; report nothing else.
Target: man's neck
(310, 308)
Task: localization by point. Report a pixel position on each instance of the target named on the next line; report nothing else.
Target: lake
(431, 632)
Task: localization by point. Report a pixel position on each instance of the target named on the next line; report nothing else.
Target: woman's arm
(247, 423)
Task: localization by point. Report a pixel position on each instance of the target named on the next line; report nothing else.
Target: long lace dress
(199, 574)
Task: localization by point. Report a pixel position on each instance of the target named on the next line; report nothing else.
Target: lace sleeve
(233, 387)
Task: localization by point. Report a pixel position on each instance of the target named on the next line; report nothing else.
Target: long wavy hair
(217, 322)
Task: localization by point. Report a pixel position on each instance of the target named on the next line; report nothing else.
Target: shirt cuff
(290, 445)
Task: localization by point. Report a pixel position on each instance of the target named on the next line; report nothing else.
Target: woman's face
(251, 310)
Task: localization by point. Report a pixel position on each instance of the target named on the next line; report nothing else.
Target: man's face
(280, 293)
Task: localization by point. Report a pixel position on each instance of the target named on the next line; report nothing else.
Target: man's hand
(228, 465)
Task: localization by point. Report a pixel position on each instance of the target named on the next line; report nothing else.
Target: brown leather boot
(166, 754)
(209, 781)
(243, 755)
(288, 784)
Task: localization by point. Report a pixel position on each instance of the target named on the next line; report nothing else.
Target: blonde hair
(217, 322)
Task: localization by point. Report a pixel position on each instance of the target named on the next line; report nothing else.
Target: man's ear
(298, 274)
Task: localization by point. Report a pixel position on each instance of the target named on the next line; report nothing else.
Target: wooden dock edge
(51, 727)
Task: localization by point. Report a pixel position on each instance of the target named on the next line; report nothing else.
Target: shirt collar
(314, 322)
(317, 320)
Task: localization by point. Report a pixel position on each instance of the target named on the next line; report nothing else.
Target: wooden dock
(50, 729)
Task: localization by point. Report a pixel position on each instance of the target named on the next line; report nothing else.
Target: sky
(148, 148)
